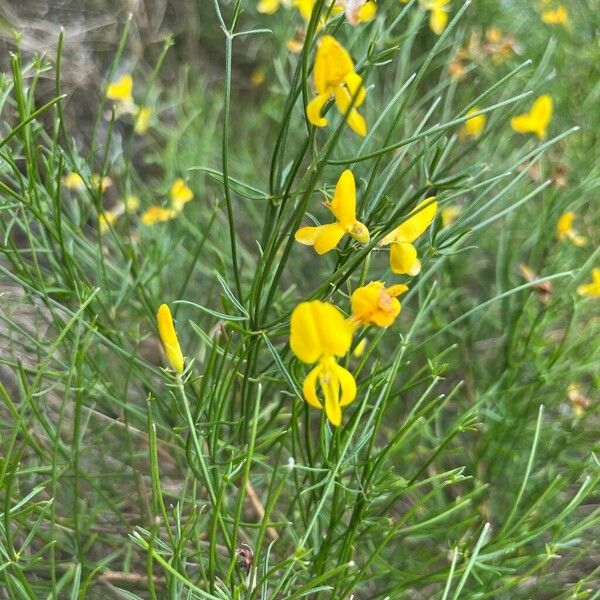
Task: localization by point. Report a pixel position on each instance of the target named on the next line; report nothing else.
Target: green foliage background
(461, 471)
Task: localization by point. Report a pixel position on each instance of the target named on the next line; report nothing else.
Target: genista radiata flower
(168, 337)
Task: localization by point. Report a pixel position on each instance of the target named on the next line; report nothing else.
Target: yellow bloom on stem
(536, 120)
(403, 255)
(357, 11)
(343, 206)
(318, 333)
(565, 231)
(158, 214)
(305, 8)
(131, 204)
(180, 194)
(100, 182)
(106, 220)
(73, 181)
(168, 337)
(334, 76)
(592, 289)
(474, 126)
(121, 90)
(556, 16)
(142, 120)
(438, 14)
(374, 304)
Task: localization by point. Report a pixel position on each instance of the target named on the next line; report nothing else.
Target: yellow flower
(449, 215)
(334, 76)
(142, 120)
(438, 14)
(343, 206)
(591, 289)
(374, 304)
(73, 181)
(578, 400)
(357, 11)
(403, 255)
(158, 214)
(557, 16)
(180, 194)
(318, 333)
(537, 119)
(106, 220)
(257, 77)
(565, 231)
(132, 203)
(474, 126)
(121, 90)
(100, 182)
(294, 45)
(168, 337)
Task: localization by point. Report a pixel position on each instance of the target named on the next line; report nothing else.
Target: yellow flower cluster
(319, 332)
(179, 195)
(120, 92)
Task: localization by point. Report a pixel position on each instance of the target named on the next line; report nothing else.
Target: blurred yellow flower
(449, 215)
(268, 7)
(295, 45)
(132, 203)
(305, 8)
(318, 333)
(536, 120)
(158, 214)
(73, 181)
(578, 400)
(374, 304)
(565, 231)
(168, 337)
(100, 182)
(106, 220)
(334, 76)
(592, 289)
(474, 126)
(121, 90)
(343, 206)
(403, 255)
(438, 14)
(357, 11)
(556, 16)
(142, 120)
(180, 194)
(257, 77)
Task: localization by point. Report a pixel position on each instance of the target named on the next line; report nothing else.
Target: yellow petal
(317, 329)
(474, 126)
(557, 16)
(180, 194)
(359, 232)
(132, 203)
(537, 119)
(564, 224)
(347, 384)
(121, 90)
(343, 205)
(106, 220)
(314, 108)
(403, 259)
(367, 12)
(73, 181)
(268, 7)
(438, 19)
(305, 8)
(332, 64)
(309, 388)
(158, 214)
(408, 231)
(356, 89)
(328, 237)
(168, 336)
(355, 120)
(360, 348)
(142, 120)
